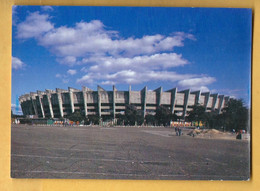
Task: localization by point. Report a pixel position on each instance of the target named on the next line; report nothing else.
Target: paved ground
(124, 153)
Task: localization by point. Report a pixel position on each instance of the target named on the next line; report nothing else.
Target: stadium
(60, 103)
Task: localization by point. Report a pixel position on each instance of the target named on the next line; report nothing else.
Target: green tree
(76, 116)
(163, 116)
(214, 120)
(121, 119)
(235, 115)
(150, 119)
(133, 116)
(93, 119)
(107, 117)
(197, 113)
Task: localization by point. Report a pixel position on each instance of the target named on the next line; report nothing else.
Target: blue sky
(199, 48)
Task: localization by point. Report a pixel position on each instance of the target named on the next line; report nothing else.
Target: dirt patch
(214, 134)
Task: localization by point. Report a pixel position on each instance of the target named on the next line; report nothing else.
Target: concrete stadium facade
(60, 103)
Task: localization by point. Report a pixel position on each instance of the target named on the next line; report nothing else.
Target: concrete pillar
(158, 96)
(22, 106)
(114, 102)
(144, 92)
(28, 104)
(41, 105)
(71, 99)
(129, 95)
(49, 102)
(84, 92)
(21, 103)
(215, 97)
(226, 100)
(58, 91)
(32, 96)
(220, 105)
(197, 96)
(99, 100)
(186, 98)
(173, 98)
(206, 101)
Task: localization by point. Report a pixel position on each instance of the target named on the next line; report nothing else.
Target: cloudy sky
(197, 48)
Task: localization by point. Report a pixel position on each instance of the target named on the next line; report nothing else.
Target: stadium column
(40, 100)
(158, 96)
(24, 105)
(32, 95)
(114, 102)
(144, 92)
(84, 91)
(197, 96)
(221, 101)
(49, 102)
(99, 101)
(129, 95)
(71, 100)
(28, 104)
(21, 100)
(186, 99)
(226, 100)
(58, 91)
(21, 103)
(215, 97)
(206, 101)
(173, 98)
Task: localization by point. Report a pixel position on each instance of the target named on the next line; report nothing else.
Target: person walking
(179, 131)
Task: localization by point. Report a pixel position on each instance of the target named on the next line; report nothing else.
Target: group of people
(178, 131)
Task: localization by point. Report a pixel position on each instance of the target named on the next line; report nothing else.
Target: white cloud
(63, 78)
(58, 75)
(198, 83)
(14, 15)
(235, 93)
(14, 7)
(138, 63)
(47, 8)
(132, 77)
(92, 38)
(65, 81)
(201, 88)
(16, 109)
(17, 63)
(109, 58)
(68, 60)
(71, 72)
(34, 26)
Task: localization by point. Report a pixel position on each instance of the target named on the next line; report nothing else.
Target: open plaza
(97, 152)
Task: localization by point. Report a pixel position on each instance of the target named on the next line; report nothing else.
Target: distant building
(60, 103)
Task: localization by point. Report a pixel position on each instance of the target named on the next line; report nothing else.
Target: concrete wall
(60, 103)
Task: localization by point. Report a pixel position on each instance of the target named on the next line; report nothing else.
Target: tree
(197, 113)
(93, 119)
(107, 117)
(163, 116)
(76, 116)
(121, 119)
(235, 115)
(133, 116)
(150, 119)
(214, 120)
